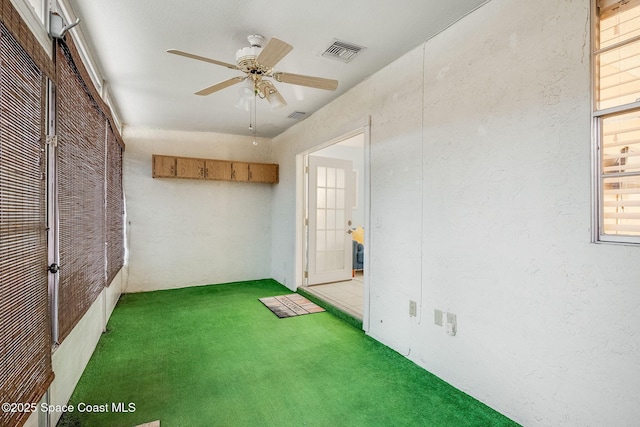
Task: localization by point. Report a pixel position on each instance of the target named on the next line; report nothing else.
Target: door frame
(364, 127)
(53, 225)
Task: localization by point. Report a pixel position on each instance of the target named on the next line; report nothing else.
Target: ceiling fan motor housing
(246, 57)
(256, 40)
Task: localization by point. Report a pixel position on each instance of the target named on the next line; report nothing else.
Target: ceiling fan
(257, 63)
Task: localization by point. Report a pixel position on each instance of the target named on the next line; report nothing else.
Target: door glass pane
(322, 176)
(331, 198)
(340, 199)
(321, 222)
(331, 177)
(321, 198)
(340, 223)
(320, 261)
(331, 240)
(331, 219)
(330, 261)
(320, 241)
(340, 178)
(339, 260)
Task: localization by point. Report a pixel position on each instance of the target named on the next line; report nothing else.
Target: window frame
(597, 118)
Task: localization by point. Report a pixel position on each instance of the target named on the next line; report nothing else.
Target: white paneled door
(330, 203)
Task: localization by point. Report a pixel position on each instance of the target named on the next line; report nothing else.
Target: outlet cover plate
(413, 308)
(452, 324)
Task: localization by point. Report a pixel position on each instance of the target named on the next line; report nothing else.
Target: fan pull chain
(255, 119)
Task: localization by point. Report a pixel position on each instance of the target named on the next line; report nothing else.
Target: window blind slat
(623, 94)
(624, 215)
(610, 61)
(624, 156)
(623, 229)
(618, 203)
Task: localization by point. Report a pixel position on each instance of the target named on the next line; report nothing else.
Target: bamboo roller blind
(25, 343)
(81, 147)
(115, 207)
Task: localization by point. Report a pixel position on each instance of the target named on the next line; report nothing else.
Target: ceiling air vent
(342, 51)
(297, 115)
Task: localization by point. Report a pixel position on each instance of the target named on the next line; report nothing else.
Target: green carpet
(215, 356)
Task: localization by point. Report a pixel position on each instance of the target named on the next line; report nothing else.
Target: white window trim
(37, 25)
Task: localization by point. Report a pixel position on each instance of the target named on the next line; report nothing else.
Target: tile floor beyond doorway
(347, 296)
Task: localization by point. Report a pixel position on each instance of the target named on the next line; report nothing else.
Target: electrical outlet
(437, 317)
(413, 308)
(452, 324)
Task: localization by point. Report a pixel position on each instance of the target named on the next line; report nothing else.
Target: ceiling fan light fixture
(247, 89)
(243, 104)
(266, 90)
(276, 101)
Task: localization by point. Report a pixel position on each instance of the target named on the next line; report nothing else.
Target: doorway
(336, 212)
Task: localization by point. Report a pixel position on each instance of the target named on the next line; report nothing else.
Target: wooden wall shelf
(210, 169)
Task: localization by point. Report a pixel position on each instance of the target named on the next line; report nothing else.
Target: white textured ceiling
(152, 88)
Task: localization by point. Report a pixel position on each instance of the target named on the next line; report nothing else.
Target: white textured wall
(192, 232)
(480, 206)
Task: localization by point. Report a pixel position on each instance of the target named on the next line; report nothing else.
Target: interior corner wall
(184, 232)
(480, 206)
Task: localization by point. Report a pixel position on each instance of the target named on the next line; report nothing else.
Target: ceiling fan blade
(273, 52)
(201, 58)
(219, 86)
(315, 82)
